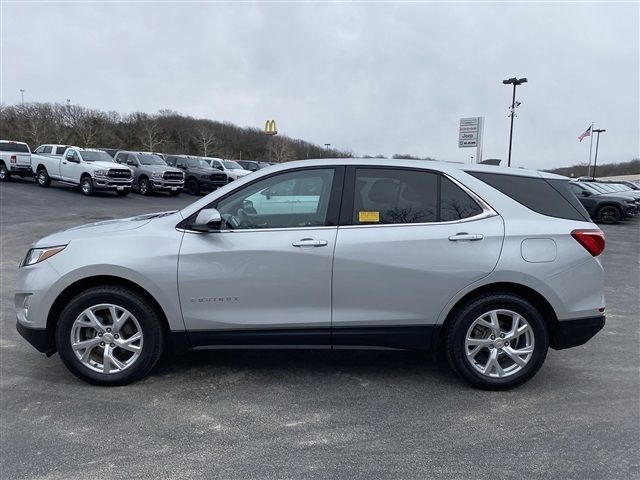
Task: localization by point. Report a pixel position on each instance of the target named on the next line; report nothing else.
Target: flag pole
(590, 148)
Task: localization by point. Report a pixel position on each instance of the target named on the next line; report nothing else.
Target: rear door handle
(310, 242)
(471, 237)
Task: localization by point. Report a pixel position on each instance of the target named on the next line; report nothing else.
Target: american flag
(587, 133)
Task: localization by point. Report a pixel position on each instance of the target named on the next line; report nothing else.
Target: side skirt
(410, 337)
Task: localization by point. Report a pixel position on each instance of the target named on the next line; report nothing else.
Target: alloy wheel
(499, 343)
(106, 338)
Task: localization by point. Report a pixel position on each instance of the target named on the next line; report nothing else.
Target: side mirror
(586, 194)
(73, 160)
(266, 192)
(208, 220)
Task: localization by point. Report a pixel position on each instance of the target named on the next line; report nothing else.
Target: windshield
(231, 165)
(96, 156)
(597, 187)
(588, 187)
(604, 187)
(147, 159)
(197, 163)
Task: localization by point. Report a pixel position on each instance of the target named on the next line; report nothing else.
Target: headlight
(100, 173)
(156, 174)
(37, 255)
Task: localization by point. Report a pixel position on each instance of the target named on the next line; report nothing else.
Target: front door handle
(471, 237)
(310, 242)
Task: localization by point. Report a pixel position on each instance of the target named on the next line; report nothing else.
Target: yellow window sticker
(369, 217)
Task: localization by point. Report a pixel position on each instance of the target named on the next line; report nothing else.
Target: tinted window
(293, 199)
(455, 203)
(14, 147)
(387, 196)
(47, 149)
(60, 150)
(546, 196)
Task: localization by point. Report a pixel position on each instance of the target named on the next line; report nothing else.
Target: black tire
(5, 174)
(142, 310)
(174, 194)
(193, 186)
(122, 193)
(609, 214)
(86, 186)
(462, 321)
(43, 178)
(144, 186)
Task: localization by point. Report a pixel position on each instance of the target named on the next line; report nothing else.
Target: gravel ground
(312, 414)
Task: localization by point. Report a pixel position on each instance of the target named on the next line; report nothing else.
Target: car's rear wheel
(144, 187)
(5, 174)
(86, 186)
(109, 336)
(497, 341)
(193, 187)
(609, 214)
(43, 178)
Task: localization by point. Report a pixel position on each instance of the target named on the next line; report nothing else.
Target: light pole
(326, 147)
(595, 160)
(515, 82)
(22, 95)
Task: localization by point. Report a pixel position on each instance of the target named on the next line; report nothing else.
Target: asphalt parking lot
(312, 414)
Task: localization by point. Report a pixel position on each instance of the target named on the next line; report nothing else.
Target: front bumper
(111, 184)
(168, 185)
(38, 337)
(575, 332)
(211, 185)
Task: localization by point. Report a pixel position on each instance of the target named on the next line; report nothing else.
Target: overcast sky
(366, 77)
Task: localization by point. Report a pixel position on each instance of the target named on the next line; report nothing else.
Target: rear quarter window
(551, 197)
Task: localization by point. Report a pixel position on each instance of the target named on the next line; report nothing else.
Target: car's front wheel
(497, 341)
(109, 336)
(86, 186)
(193, 187)
(144, 187)
(609, 214)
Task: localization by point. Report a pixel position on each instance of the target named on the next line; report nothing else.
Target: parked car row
(608, 202)
(109, 169)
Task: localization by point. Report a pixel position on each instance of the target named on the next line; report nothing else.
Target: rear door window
(391, 196)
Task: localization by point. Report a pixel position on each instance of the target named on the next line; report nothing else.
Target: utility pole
(22, 95)
(515, 82)
(595, 160)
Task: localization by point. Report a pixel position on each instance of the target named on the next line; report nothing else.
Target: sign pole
(590, 148)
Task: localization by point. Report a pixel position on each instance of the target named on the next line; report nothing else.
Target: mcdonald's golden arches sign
(270, 127)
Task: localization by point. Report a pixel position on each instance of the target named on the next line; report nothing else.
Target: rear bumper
(38, 337)
(575, 332)
(18, 169)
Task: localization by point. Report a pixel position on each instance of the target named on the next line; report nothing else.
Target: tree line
(167, 131)
(606, 170)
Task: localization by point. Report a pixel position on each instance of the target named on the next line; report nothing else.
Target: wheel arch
(41, 167)
(536, 298)
(84, 284)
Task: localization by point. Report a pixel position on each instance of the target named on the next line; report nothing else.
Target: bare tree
(281, 150)
(151, 136)
(207, 139)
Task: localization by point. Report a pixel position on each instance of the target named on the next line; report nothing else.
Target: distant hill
(607, 170)
(166, 131)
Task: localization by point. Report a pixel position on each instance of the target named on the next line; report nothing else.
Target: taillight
(14, 159)
(591, 240)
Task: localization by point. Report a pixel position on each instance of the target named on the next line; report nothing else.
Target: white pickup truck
(89, 168)
(15, 159)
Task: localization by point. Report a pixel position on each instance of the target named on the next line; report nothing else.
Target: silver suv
(489, 265)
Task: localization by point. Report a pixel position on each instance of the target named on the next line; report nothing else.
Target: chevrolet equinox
(489, 265)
